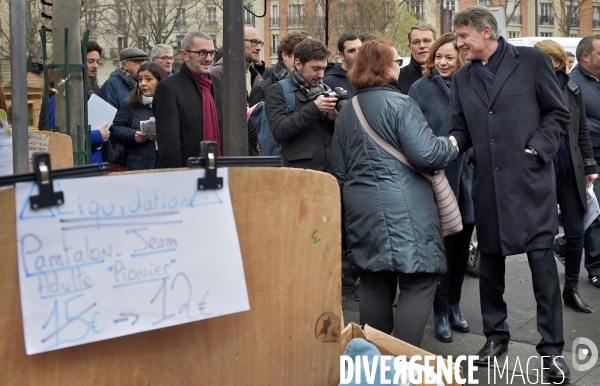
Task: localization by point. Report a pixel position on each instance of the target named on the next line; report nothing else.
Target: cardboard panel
(60, 147)
(288, 222)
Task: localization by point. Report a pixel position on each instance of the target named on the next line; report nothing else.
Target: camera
(338, 93)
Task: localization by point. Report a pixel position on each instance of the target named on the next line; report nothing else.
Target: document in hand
(100, 112)
(148, 127)
(593, 209)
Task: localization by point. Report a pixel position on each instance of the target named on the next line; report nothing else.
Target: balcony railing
(596, 23)
(274, 22)
(546, 20)
(575, 23)
(515, 19)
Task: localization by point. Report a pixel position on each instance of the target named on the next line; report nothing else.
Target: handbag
(445, 200)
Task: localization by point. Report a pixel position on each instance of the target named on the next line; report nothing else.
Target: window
(275, 15)
(483, 3)
(546, 16)
(416, 7)
(121, 18)
(274, 44)
(178, 40)
(142, 43)
(296, 15)
(180, 18)
(91, 20)
(451, 5)
(121, 43)
(163, 39)
(514, 34)
(341, 13)
(511, 6)
(211, 16)
(546, 34)
(573, 35)
(214, 39)
(596, 17)
(248, 16)
(572, 16)
(141, 18)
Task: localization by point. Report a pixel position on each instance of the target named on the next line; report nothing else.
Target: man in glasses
(123, 79)
(162, 54)
(188, 106)
(253, 44)
(420, 39)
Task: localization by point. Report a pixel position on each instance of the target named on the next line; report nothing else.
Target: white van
(569, 44)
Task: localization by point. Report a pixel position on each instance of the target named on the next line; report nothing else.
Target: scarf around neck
(147, 100)
(128, 79)
(302, 85)
(488, 72)
(280, 71)
(209, 111)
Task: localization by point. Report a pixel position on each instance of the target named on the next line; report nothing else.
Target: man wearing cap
(123, 79)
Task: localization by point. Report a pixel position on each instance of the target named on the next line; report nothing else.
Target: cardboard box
(388, 345)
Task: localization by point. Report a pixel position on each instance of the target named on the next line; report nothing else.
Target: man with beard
(306, 133)
(188, 106)
(420, 39)
(253, 44)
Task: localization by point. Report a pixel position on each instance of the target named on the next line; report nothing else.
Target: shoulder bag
(444, 196)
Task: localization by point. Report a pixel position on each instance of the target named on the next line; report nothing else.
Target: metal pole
(18, 86)
(536, 21)
(235, 130)
(67, 50)
(326, 23)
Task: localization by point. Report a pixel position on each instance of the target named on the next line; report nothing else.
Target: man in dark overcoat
(507, 105)
(188, 106)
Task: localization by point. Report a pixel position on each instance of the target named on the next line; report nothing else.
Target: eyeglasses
(399, 61)
(255, 42)
(203, 53)
(138, 61)
(166, 58)
(424, 41)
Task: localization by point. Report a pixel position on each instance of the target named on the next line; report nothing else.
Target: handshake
(454, 142)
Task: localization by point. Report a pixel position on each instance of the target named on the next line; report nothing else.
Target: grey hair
(586, 45)
(478, 18)
(160, 47)
(187, 41)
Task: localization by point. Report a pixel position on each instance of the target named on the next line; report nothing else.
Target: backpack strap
(288, 92)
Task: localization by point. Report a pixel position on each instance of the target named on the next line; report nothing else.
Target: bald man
(253, 44)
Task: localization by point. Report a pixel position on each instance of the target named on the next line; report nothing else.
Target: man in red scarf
(188, 106)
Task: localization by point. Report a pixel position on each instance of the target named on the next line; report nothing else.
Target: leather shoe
(457, 321)
(443, 333)
(556, 367)
(489, 352)
(572, 299)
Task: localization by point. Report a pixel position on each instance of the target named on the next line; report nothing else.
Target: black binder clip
(208, 151)
(43, 176)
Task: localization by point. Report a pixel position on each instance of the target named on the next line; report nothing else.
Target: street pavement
(522, 321)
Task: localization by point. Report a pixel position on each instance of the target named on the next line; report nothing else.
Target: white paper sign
(6, 151)
(593, 210)
(126, 254)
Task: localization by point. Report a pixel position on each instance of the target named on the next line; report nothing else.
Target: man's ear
(297, 63)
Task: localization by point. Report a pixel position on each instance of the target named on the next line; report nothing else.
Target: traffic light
(47, 14)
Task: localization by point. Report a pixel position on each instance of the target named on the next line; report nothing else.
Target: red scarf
(209, 111)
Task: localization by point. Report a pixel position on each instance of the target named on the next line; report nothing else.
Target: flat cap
(132, 53)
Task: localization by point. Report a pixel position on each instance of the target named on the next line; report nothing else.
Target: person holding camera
(306, 132)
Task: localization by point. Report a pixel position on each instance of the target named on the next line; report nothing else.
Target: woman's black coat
(141, 155)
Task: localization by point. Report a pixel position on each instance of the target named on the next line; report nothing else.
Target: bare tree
(33, 24)
(571, 10)
(512, 10)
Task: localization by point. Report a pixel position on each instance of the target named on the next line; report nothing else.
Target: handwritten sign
(37, 141)
(126, 254)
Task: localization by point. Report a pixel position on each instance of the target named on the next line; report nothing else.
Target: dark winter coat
(117, 87)
(433, 97)
(590, 88)
(177, 108)
(409, 74)
(582, 154)
(141, 155)
(392, 221)
(336, 77)
(513, 191)
(305, 135)
(255, 77)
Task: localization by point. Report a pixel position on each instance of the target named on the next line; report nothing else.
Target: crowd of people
(516, 130)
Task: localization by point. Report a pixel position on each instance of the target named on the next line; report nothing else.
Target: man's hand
(104, 131)
(454, 142)
(334, 115)
(140, 137)
(326, 105)
(590, 178)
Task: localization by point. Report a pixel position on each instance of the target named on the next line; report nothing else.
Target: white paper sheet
(126, 254)
(6, 151)
(593, 209)
(100, 112)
